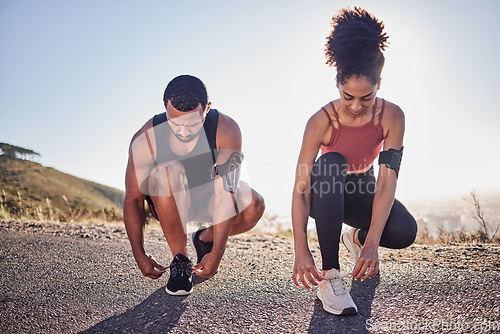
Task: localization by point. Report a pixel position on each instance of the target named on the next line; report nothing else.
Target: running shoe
(180, 282)
(201, 248)
(352, 247)
(334, 295)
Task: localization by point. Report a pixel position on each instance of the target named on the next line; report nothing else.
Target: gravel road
(59, 278)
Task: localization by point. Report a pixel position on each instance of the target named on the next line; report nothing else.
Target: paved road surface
(59, 284)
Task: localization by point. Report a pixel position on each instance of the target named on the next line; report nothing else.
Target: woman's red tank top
(360, 145)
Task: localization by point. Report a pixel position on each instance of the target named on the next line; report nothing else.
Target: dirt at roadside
(477, 257)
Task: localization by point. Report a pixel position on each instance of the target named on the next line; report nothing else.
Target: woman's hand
(368, 263)
(305, 270)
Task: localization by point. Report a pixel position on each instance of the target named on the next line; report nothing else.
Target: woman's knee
(403, 233)
(327, 178)
(330, 164)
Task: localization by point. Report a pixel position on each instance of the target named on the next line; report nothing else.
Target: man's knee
(257, 206)
(167, 178)
(254, 210)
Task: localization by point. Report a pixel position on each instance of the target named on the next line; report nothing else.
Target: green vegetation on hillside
(16, 151)
(30, 190)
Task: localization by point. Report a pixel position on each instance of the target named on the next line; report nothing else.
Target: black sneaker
(201, 248)
(179, 283)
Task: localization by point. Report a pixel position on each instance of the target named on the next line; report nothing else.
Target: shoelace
(338, 285)
(181, 268)
(340, 276)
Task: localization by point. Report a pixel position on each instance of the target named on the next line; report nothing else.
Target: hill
(27, 186)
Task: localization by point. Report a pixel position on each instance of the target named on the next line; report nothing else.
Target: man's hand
(208, 265)
(368, 263)
(149, 267)
(305, 270)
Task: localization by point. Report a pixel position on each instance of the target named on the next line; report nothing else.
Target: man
(185, 163)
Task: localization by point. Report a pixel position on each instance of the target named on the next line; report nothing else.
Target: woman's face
(358, 95)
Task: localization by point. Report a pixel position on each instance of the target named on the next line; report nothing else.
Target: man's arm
(138, 167)
(225, 208)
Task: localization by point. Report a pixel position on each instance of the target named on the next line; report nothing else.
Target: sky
(79, 78)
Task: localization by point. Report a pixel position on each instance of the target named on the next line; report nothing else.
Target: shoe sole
(191, 242)
(347, 244)
(178, 292)
(346, 311)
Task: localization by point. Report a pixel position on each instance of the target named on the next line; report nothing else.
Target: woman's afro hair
(355, 44)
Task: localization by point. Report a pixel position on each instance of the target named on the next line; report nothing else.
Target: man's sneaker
(334, 295)
(179, 283)
(201, 248)
(348, 241)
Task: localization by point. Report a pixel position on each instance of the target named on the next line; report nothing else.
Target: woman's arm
(393, 123)
(304, 267)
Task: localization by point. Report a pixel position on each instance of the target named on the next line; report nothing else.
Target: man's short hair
(185, 92)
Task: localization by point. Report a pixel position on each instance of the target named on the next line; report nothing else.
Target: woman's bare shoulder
(393, 111)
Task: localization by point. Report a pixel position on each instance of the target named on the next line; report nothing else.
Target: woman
(340, 185)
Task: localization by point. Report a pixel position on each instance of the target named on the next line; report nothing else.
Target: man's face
(185, 125)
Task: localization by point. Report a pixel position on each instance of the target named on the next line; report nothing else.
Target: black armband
(391, 159)
(230, 172)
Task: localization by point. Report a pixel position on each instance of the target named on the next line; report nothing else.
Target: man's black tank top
(198, 163)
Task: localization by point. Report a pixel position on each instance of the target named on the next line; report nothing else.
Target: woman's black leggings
(338, 197)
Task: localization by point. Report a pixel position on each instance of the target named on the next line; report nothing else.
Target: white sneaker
(352, 247)
(334, 295)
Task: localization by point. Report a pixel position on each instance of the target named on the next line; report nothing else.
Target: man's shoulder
(159, 119)
(227, 124)
(154, 121)
(228, 130)
(148, 126)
